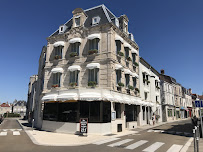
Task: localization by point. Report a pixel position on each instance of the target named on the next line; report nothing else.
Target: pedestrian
(153, 119)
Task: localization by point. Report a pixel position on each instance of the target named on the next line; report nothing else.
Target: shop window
(56, 79)
(106, 111)
(118, 46)
(67, 112)
(50, 111)
(74, 77)
(93, 75)
(75, 47)
(94, 44)
(131, 113)
(118, 76)
(118, 110)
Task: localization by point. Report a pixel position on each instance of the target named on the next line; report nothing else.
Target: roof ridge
(93, 7)
(105, 12)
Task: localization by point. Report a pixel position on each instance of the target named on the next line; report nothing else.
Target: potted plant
(130, 87)
(129, 59)
(135, 64)
(73, 54)
(55, 85)
(92, 51)
(92, 83)
(73, 84)
(120, 53)
(120, 84)
(137, 90)
(57, 57)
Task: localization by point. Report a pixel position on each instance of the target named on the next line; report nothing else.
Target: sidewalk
(61, 139)
(191, 147)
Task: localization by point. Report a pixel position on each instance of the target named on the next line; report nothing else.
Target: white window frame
(58, 77)
(95, 22)
(77, 17)
(95, 75)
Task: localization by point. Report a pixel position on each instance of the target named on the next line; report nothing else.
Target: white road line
(187, 145)
(5, 129)
(3, 133)
(120, 143)
(157, 130)
(137, 144)
(149, 130)
(175, 148)
(105, 141)
(153, 147)
(12, 129)
(16, 133)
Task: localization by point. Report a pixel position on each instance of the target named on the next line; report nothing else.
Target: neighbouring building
(5, 108)
(149, 92)
(19, 107)
(167, 97)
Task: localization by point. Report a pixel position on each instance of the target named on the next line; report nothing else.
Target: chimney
(190, 91)
(162, 71)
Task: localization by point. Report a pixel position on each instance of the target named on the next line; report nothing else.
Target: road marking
(105, 141)
(157, 130)
(137, 144)
(19, 129)
(149, 130)
(187, 145)
(175, 148)
(120, 143)
(5, 129)
(153, 147)
(3, 133)
(12, 129)
(16, 133)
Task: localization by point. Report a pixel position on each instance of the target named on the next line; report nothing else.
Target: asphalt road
(159, 139)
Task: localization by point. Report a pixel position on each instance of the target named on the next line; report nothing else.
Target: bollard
(194, 140)
(33, 123)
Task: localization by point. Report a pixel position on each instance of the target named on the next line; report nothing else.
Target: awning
(135, 75)
(118, 98)
(57, 70)
(126, 99)
(94, 36)
(134, 51)
(127, 71)
(157, 93)
(93, 65)
(118, 38)
(118, 66)
(74, 68)
(49, 97)
(90, 96)
(146, 89)
(62, 43)
(108, 96)
(127, 45)
(74, 40)
(68, 96)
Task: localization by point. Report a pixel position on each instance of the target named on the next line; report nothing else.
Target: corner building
(90, 71)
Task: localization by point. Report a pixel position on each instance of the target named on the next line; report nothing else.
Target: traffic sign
(198, 103)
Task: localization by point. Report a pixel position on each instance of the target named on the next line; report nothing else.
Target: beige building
(90, 71)
(5, 108)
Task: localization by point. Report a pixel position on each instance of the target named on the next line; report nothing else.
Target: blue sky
(169, 34)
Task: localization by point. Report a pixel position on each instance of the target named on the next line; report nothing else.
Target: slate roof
(102, 11)
(167, 78)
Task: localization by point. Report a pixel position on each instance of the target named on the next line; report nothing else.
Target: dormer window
(77, 21)
(62, 29)
(125, 28)
(117, 22)
(95, 20)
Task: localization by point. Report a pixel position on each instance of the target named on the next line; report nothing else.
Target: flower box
(92, 52)
(137, 90)
(120, 53)
(73, 54)
(129, 59)
(120, 84)
(92, 83)
(55, 85)
(73, 84)
(157, 87)
(57, 57)
(130, 87)
(135, 64)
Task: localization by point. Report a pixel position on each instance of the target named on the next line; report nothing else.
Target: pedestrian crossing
(117, 142)
(15, 132)
(170, 132)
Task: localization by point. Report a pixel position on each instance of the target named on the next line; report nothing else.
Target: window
(127, 79)
(50, 111)
(94, 44)
(170, 113)
(58, 52)
(143, 76)
(118, 46)
(117, 22)
(118, 110)
(118, 76)
(143, 113)
(95, 20)
(56, 79)
(156, 98)
(134, 82)
(93, 75)
(74, 77)
(77, 21)
(131, 113)
(134, 57)
(75, 47)
(126, 52)
(145, 95)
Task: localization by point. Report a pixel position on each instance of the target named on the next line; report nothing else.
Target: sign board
(83, 125)
(198, 103)
(113, 115)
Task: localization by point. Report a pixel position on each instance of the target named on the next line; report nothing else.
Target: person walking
(153, 119)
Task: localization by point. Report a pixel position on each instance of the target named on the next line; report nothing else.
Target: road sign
(83, 125)
(199, 103)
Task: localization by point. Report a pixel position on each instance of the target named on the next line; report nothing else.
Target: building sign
(113, 115)
(199, 103)
(83, 125)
